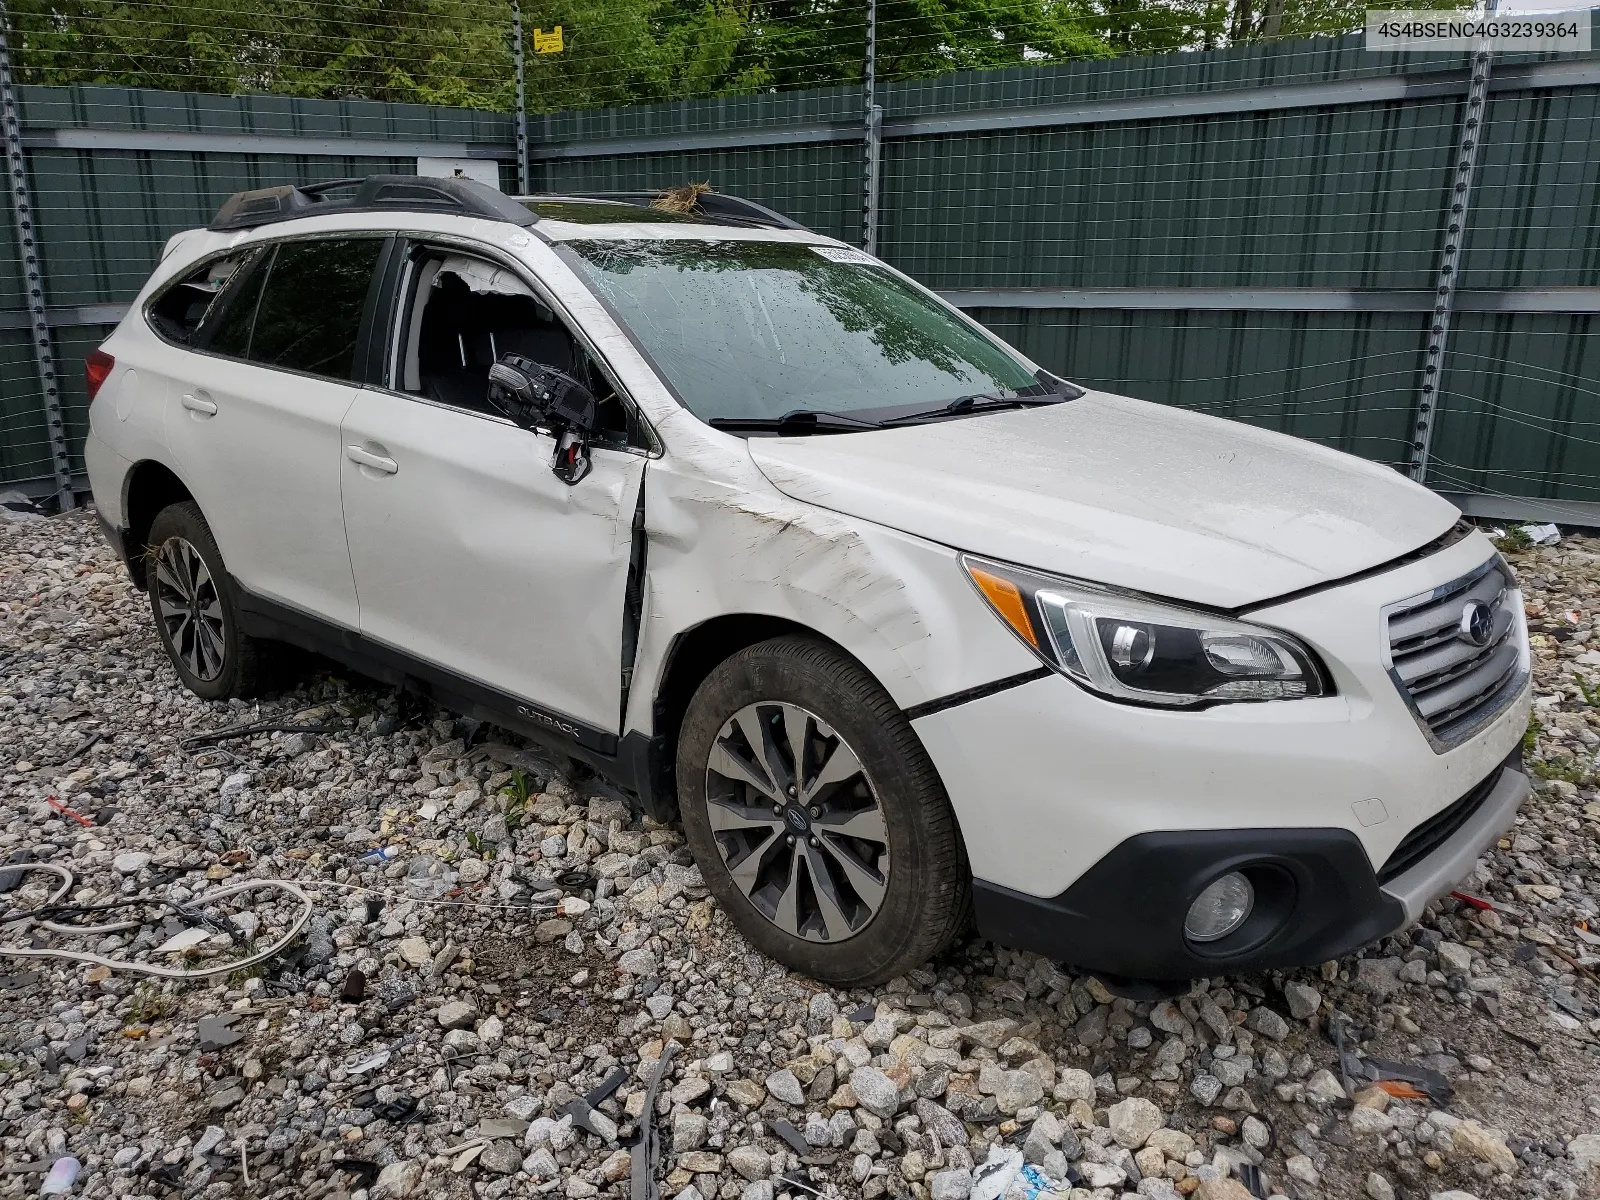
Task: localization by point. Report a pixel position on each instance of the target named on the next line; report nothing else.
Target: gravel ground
(424, 1035)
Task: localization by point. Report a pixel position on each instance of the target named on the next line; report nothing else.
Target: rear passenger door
(253, 419)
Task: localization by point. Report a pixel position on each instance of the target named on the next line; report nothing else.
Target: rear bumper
(1318, 896)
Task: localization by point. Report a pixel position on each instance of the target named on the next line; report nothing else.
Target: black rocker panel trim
(268, 619)
(1124, 916)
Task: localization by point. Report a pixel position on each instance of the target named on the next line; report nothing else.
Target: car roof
(692, 204)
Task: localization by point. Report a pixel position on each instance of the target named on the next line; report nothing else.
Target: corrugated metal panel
(1344, 379)
(820, 106)
(1536, 214)
(24, 450)
(1520, 407)
(1342, 196)
(819, 185)
(104, 215)
(1347, 197)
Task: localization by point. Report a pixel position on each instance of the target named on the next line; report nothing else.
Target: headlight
(1130, 648)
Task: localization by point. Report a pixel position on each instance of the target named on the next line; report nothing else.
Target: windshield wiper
(981, 402)
(1047, 389)
(796, 421)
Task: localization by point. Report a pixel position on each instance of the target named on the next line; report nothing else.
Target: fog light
(1220, 909)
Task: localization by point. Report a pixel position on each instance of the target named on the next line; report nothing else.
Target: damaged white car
(909, 631)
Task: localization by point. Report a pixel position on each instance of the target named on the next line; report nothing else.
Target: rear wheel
(816, 817)
(194, 602)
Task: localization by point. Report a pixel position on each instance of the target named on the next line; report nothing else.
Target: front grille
(1453, 685)
(1441, 827)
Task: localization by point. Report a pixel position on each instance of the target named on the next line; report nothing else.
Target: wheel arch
(149, 487)
(691, 656)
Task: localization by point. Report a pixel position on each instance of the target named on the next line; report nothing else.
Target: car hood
(1121, 492)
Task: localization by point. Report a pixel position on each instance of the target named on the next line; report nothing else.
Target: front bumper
(1124, 916)
(1090, 826)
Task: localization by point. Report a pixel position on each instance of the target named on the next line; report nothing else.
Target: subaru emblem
(1477, 623)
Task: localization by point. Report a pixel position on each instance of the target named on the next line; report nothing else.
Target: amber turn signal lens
(1006, 598)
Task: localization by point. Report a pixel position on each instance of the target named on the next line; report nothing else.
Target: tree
(428, 51)
(617, 52)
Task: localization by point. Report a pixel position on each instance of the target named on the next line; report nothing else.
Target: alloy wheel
(797, 821)
(190, 608)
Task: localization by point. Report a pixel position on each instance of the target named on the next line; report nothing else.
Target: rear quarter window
(186, 310)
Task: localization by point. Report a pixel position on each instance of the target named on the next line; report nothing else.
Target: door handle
(367, 459)
(200, 405)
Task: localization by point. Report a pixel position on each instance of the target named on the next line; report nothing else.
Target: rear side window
(227, 327)
(198, 299)
(309, 316)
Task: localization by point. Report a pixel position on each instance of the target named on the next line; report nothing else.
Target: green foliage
(148, 1004)
(458, 52)
(1561, 767)
(518, 794)
(427, 51)
(1590, 693)
(1516, 538)
(1530, 736)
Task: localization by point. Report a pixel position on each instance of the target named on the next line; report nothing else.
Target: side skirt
(624, 762)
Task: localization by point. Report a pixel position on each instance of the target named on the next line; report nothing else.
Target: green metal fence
(1264, 233)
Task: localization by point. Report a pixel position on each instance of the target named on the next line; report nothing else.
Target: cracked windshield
(755, 330)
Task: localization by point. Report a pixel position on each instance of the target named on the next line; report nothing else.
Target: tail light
(96, 370)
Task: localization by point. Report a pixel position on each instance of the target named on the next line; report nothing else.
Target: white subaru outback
(910, 632)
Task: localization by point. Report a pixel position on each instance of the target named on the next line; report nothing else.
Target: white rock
(1074, 1084)
(786, 1087)
(1133, 1120)
(457, 1014)
(1365, 1120)
(1584, 1150)
(950, 1185)
(1303, 999)
(1454, 957)
(1324, 1086)
(397, 1180)
(1102, 1175)
(1300, 1167)
(750, 1161)
(130, 862)
(877, 1093)
(541, 1164)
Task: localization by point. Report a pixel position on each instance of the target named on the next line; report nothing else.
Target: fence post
(1446, 281)
(522, 100)
(872, 134)
(21, 195)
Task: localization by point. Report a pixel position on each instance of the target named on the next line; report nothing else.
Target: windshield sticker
(845, 254)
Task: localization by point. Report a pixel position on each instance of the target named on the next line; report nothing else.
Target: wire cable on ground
(52, 907)
(161, 972)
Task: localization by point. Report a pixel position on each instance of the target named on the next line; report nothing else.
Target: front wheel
(817, 818)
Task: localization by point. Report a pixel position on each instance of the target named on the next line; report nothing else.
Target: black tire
(239, 668)
(924, 901)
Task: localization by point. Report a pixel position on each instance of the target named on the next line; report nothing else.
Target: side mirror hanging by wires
(536, 396)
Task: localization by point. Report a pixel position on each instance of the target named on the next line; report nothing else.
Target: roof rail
(375, 193)
(732, 209)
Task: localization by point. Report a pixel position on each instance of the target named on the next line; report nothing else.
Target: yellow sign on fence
(548, 43)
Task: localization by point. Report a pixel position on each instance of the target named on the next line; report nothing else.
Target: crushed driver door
(470, 554)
